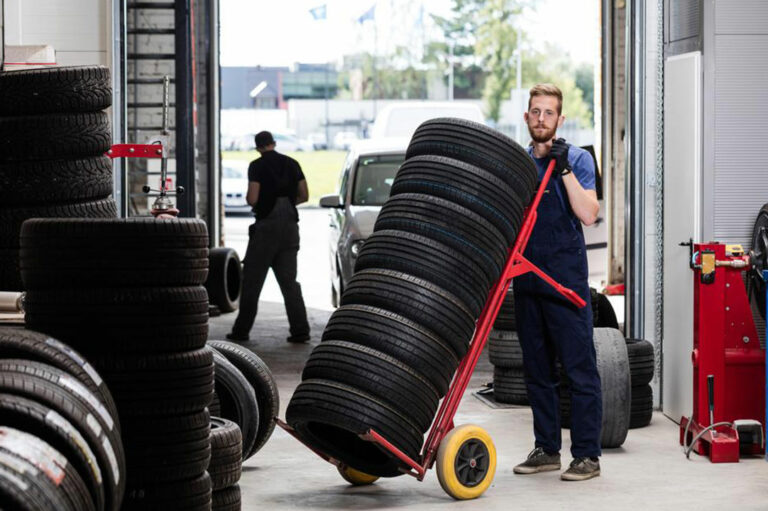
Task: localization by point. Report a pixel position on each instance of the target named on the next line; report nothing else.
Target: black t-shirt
(278, 176)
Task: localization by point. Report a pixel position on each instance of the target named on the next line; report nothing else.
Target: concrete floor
(648, 472)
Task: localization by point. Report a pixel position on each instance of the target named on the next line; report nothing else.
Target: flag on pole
(370, 14)
(319, 12)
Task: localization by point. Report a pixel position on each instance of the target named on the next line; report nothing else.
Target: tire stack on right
(641, 367)
(53, 138)
(127, 294)
(421, 280)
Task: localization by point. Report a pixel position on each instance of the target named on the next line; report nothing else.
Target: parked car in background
(402, 119)
(318, 141)
(286, 142)
(234, 186)
(364, 185)
(343, 140)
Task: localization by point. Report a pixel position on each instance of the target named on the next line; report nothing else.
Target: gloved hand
(559, 153)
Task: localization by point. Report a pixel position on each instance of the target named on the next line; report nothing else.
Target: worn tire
(54, 136)
(227, 499)
(55, 89)
(225, 278)
(423, 302)
(264, 386)
(226, 453)
(27, 183)
(398, 337)
(238, 400)
(504, 349)
(509, 386)
(330, 416)
(190, 495)
(641, 361)
(613, 365)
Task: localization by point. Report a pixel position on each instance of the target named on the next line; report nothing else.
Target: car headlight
(354, 249)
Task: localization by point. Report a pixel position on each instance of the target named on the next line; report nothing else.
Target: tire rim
(759, 260)
(471, 464)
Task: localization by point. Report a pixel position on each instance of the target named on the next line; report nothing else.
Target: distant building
(270, 87)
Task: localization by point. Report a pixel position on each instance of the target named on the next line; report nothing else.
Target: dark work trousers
(273, 242)
(551, 327)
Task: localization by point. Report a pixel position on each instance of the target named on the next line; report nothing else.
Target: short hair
(547, 89)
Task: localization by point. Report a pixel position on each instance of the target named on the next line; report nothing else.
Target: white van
(402, 119)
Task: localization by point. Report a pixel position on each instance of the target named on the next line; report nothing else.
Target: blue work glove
(559, 153)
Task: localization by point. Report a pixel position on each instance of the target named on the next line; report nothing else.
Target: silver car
(364, 186)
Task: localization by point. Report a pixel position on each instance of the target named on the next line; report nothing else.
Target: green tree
(585, 80)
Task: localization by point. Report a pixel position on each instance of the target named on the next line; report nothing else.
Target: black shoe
(538, 461)
(582, 469)
(298, 338)
(232, 336)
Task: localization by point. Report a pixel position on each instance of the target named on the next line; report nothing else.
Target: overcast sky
(256, 32)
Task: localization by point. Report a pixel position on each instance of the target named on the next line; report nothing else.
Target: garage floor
(648, 472)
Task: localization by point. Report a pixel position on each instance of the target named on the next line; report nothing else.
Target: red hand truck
(465, 455)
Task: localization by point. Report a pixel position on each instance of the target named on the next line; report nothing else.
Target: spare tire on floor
(225, 278)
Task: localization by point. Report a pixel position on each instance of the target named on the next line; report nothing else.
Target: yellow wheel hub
(466, 462)
(355, 477)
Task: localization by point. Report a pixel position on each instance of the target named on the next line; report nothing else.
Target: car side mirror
(330, 201)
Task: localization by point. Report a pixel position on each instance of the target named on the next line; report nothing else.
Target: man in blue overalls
(550, 327)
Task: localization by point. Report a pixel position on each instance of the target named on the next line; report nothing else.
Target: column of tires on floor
(389, 352)
(54, 136)
(127, 294)
(60, 444)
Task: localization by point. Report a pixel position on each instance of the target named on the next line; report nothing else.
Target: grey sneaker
(538, 461)
(582, 469)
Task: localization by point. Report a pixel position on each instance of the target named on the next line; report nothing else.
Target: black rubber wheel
(602, 311)
(642, 407)
(427, 259)
(23, 487)
(10, 274)
(238, 400)
(509, 386)
(423, 302)
(613, 365)
(124, 320)
(397, 336)
(27, 183)
(227, 499)
(375, 373)
(226, 453)
(190, 495)
(506, 319)
(264, 386)
(504, 349)
(330, 416)
(641, 361)
(34, 346)
(55, 89)
(225, 278)
(759, 261)
(54, 136)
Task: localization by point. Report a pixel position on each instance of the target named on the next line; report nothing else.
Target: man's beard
(542, 136)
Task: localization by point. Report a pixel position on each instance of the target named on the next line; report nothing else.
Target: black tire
(238, 400)
(10, 274)
(397, 336)
(423, 302)
(227, 499)
(57, 390)
(225, 278)
(427, 259)
(167, 448)
(467, 185)
(215, 406)
(72, 490)
(27, 183)
(613, 365)
(509, 386)
(11, 219)
(264, 386)
(506, 319)
(121, 252)
(602, 310)
(226, 453)
(642, 407)
(24, 488)
(759, 262)
(28, 345)
(55, 89)
(124, 320)
(479, 145)
(45, 423)
(190, 495)
(150, 385)
(54, 136)
(641, 361)
(448, 223)
(331, 415)
(377, 374)
(504, 349)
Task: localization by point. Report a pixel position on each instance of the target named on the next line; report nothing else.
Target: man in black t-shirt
(276, 185)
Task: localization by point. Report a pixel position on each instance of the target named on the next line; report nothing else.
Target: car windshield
(232, 173)
(374, 177)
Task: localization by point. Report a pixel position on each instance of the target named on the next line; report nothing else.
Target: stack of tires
(127, 293)
(226, 464)
(641, 367)
(60, 444)
(421, 280)
(53, 140)
(506, 355)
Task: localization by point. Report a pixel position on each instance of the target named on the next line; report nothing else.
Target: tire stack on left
(128, 294)
(53, 140)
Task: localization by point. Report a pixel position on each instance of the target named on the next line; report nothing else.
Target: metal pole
(185, 129)
(214, 213)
